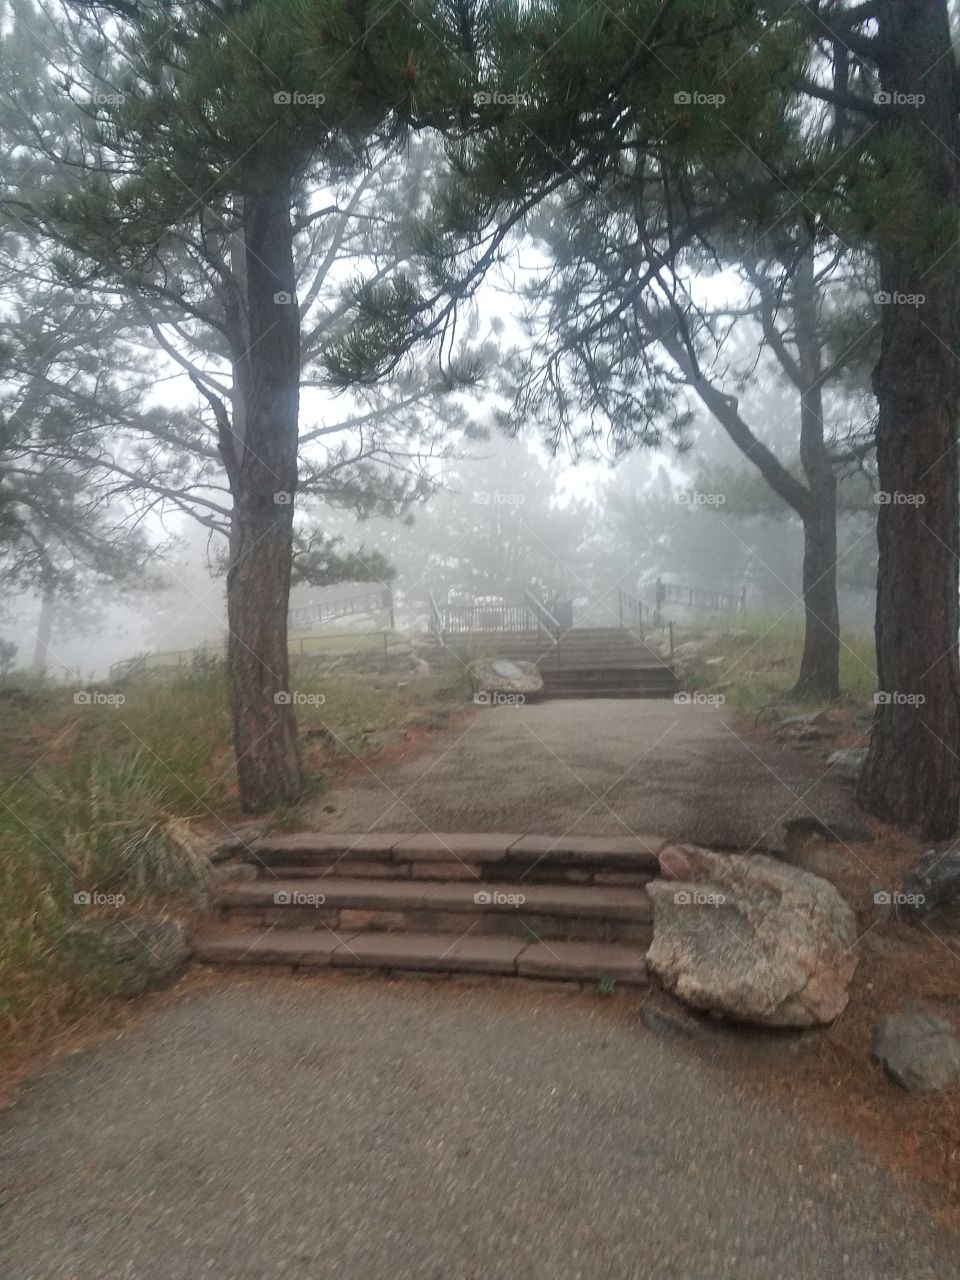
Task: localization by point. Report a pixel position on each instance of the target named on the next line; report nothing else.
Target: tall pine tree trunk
(911, 775)
(820, 661)
(41, 651)
(263, 475)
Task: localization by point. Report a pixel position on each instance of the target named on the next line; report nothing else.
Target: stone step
(427, 953)
(497, 853)
(608, 678)
(601, 691)
(499, 873)
(616, 670)
(517, 910)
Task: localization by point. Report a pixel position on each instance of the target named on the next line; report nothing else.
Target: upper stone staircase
(590, 662)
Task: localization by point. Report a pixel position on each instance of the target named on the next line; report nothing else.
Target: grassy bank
(761, 660)
(106, 797)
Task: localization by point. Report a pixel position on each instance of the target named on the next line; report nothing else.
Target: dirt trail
(598, 767)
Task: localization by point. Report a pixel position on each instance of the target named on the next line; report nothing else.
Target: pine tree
(209, 127)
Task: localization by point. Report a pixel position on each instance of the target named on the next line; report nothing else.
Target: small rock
(921, 1053)
(238, 840)
(931, 891)
(129, 957)
(847, 763)
(666, 1019)
(234, 871)
(689, 649)
(674, 864)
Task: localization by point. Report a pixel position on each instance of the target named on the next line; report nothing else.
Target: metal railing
(492, 614)
(378, 602)
(630, 609)
(175, 662)
(701, 598)
(546, 622)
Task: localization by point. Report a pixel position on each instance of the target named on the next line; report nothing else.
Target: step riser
(518, 924)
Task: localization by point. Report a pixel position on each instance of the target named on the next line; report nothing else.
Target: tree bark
(814, 502)
(41, 652)
(911, 775)
(260, 455)
(820, 661)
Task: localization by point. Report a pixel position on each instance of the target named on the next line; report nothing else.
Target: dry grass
(106, 798)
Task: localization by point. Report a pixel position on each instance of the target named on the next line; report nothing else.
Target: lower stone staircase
(573, 909)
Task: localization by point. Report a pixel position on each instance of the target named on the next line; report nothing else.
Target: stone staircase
(573, 909)
(589, 662)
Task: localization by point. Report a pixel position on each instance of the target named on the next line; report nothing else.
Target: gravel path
(355, 1129)
(600, 767)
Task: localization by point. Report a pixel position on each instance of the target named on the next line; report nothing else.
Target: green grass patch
(761, 661)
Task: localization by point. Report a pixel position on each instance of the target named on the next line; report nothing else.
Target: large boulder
(920, 1052)
(129, 957)
(506, 675)
(751, 938)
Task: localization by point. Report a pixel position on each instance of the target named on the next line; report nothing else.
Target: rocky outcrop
(751, 938)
